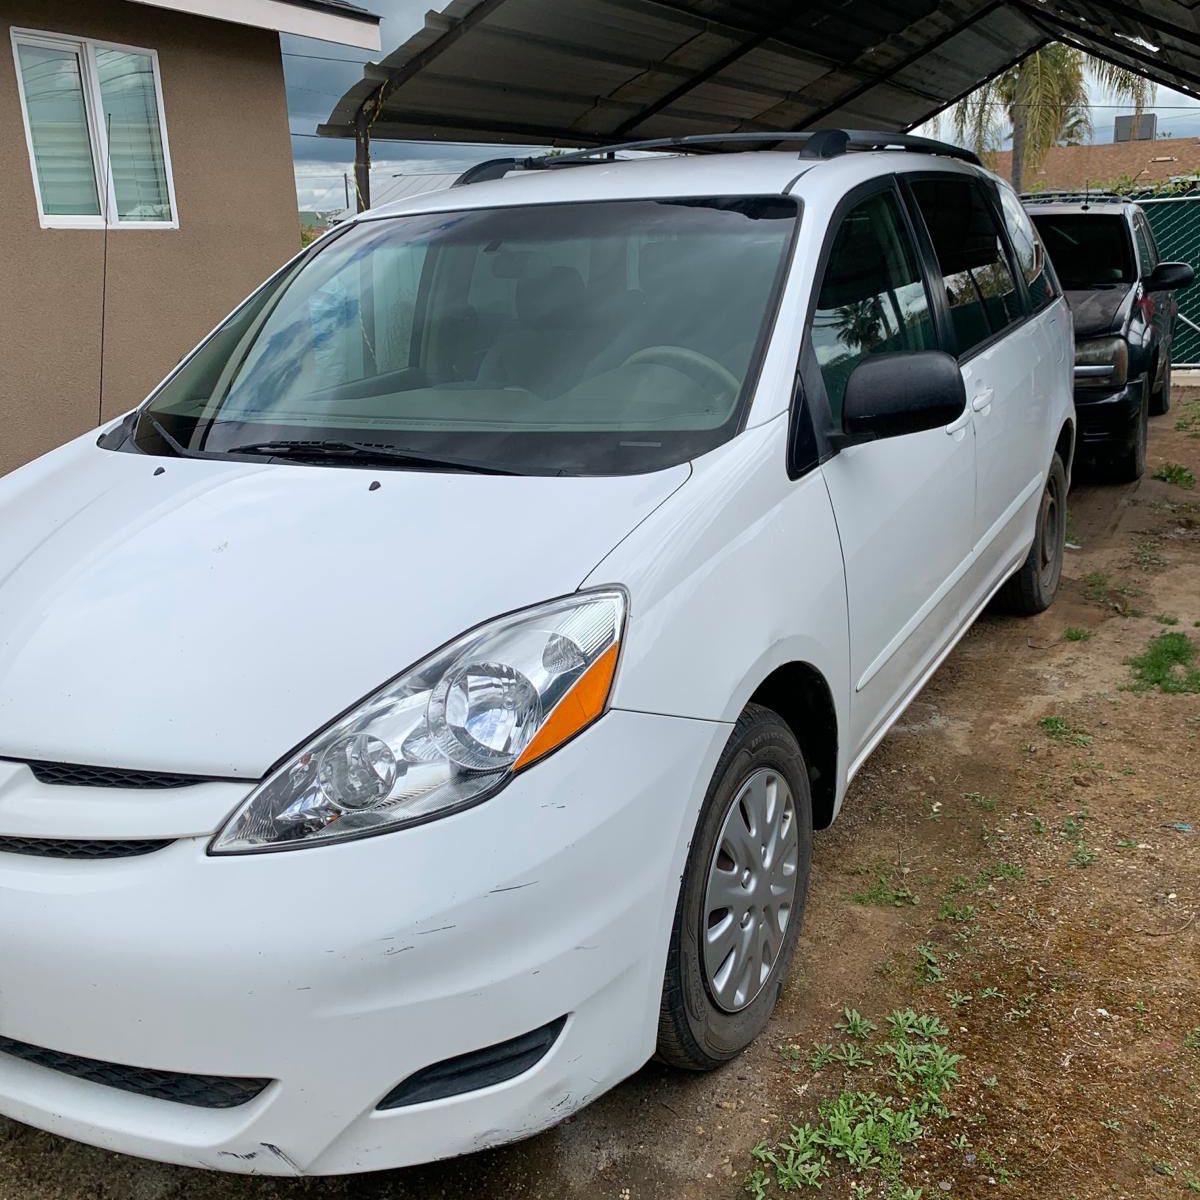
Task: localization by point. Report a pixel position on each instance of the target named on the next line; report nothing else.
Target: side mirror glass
(889, 395)
(1169, 277)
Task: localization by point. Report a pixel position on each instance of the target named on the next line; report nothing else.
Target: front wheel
(1033, 588)
(742, 897)
(1130, 465)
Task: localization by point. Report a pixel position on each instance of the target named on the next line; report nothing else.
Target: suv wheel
(1033, 588)
(1160, 398)
(1130, 465)
(742, 898)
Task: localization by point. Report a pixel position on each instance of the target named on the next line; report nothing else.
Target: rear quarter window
(1031, 254)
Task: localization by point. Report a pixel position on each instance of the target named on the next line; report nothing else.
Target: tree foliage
(1044, 101)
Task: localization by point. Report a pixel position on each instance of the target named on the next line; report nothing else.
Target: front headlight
(1102, 362)
(446, 734)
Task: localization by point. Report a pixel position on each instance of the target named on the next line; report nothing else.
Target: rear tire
(1033, 588)
(715, 1003)
(1160, 398)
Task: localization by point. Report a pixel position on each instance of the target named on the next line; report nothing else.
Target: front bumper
(338, 971)
(1108, 421)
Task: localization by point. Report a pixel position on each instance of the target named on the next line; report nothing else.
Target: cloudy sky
(318, 73)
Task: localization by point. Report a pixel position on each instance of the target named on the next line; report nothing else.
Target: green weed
(1168, 664)
(1176, 474)
(1096, 586)
(1060, 730)
(1075, 634)
(929, 969)
(886, 891)
(855, 1024)
(867, 1132)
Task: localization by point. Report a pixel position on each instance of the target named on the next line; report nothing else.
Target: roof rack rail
(815, 144)
(1074, 196)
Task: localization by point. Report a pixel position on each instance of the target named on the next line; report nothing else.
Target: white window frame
(93, 103)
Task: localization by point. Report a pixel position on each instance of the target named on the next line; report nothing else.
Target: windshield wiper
(176, 446)
(365, 453)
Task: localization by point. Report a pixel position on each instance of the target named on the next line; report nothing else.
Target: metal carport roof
(586, 72)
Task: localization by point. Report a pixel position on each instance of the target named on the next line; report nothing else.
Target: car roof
(748, 173)
(1099, 204)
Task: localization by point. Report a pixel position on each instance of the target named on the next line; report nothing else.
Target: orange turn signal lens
(575, 711)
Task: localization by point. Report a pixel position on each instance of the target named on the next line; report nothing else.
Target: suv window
(1147, 251)
(1031, 254)
(872, 299)
(980, 288)
(1088, 249)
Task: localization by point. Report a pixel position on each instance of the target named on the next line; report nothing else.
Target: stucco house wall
(226, 118)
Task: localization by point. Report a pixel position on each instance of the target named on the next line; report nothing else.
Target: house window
(97, 140)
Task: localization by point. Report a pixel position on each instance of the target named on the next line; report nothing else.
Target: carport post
(362, 159)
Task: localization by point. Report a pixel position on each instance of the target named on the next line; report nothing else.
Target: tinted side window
(1147, 251)
(872, 299)
(980, 289)
(1031, 254)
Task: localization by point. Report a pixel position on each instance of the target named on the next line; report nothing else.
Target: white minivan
(415, 715)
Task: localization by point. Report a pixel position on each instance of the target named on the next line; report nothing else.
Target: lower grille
(75, 775)
(200, 1091)
(479, 1069)
(77, 848)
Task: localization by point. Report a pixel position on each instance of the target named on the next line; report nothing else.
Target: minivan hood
(1099, 311)
(205, 617)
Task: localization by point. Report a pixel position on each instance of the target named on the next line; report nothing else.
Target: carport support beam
(362, 158)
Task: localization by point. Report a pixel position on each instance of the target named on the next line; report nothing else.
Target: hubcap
(750, 891)
(1050, 519)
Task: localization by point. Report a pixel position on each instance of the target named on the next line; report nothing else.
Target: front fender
(737, 574)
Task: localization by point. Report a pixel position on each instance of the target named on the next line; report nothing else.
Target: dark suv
(1121, 297)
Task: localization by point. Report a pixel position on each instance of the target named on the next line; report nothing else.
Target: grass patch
(1147, 555)
(1169, 664)
(886, 891)
(1059, 730)
(1189, 418)
(985, 803)
(1096, 583)
(1076, 634)
(865, 1135)
(1176, 474)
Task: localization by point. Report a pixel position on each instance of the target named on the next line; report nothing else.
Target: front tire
(1130, 465)
(1033, 588)
(742, 897)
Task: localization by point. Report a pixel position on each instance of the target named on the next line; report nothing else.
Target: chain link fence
(1176, 224)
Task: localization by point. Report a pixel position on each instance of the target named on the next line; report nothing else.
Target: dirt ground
(1021, 857)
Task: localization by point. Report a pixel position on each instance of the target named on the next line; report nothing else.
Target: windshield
(588, 338)
(1087, 249)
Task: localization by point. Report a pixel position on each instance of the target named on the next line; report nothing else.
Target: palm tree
(860, 324)
(1045, 101)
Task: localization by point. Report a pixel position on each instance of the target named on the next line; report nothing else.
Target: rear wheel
(1033, 588)
(1160, 398)
(742, 897)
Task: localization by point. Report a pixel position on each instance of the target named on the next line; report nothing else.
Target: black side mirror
(888, 395)
(1169, 277)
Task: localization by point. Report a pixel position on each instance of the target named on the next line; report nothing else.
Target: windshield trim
(743, 403)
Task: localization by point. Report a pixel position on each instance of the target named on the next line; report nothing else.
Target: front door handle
(983, 400)
(960, 423)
